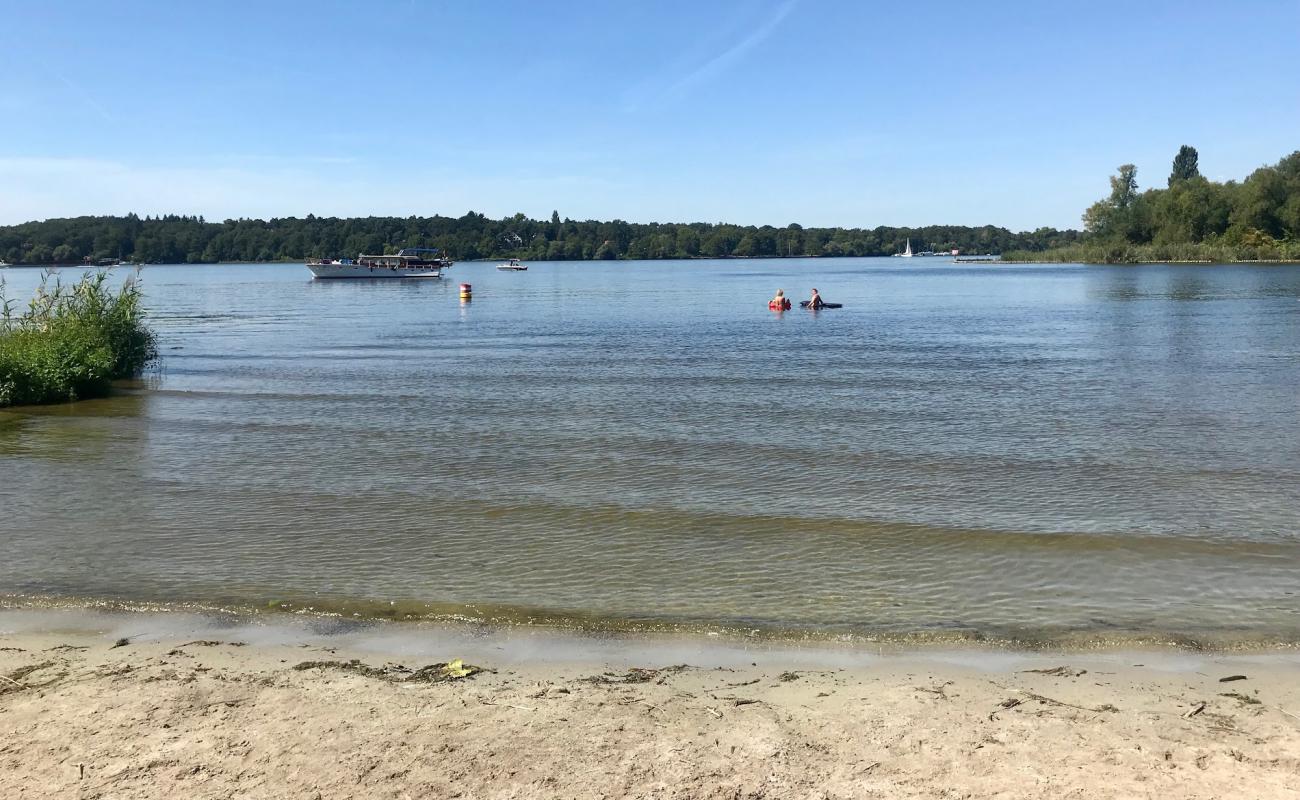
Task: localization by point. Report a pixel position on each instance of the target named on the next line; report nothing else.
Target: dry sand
(213, 718)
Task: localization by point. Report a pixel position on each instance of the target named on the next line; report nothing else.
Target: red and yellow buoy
(466, 292)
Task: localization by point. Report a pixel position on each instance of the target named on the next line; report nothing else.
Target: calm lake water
(1006, 451)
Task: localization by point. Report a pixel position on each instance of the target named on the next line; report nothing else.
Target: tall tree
(1106, 216)
(1123, 187)
(1185, 165)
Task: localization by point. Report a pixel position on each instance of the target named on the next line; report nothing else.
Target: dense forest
(181, 239)
(1191, 219)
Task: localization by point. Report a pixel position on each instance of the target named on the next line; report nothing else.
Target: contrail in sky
(734, 53)
(720, 62)
(92, 102)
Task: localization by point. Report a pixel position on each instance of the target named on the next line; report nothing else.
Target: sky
(821, 112)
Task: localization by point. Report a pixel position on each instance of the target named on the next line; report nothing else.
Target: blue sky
(752, 111)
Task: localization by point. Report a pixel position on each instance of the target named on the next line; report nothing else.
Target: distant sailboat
(906, 253)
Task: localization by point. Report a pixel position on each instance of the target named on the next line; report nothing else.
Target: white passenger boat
(410, 262)
(513, 265)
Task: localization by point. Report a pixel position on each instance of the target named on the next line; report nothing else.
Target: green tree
(1185, 165)
(1109, 216)
(1259, 203)
(1123, 187)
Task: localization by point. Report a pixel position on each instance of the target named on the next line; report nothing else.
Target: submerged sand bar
(159, 705)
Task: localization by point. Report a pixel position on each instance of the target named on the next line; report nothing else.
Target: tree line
(1191, 218)
(188, 239)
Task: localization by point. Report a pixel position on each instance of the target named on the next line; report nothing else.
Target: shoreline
(518, 643)
(91, 613)
(1143, 262)
(204, 707)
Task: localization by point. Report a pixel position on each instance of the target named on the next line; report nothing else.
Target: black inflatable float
(804, 304)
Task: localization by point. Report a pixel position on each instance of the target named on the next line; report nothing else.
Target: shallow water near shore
(962, 450)
(505, 645)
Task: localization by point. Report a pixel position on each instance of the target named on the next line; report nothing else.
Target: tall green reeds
(72, 341)
(1120, 252)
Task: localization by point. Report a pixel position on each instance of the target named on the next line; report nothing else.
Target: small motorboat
(513, 266)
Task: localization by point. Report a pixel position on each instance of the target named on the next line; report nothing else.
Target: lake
(1041, 454)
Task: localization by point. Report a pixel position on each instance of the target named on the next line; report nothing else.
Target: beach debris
(16, 681)
(229, 702)
(715, 712)
(938, 689)
(1245, 700)
(638, 675)
(1288, 713)
(1231, 678)
(354, 666)
(1009, 703)
(786, 677)
(506, 705)
(441, 672)
(746, 701)
(1194, 710)
(1103, 708)
(123, 642)
(179, 649)
(113, 671)
(640, 700)
(1059, 672)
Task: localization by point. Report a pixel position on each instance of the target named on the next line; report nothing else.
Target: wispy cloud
(666, 88)
(85, 96)
(278, 159)
(32, 62)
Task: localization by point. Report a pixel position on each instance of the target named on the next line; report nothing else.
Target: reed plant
(72, 341)
(1120, 252)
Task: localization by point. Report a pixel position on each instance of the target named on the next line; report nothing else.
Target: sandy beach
(99, 714)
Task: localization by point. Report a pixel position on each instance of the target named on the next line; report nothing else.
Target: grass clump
(72, 341)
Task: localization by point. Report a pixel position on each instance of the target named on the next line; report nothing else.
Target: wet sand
(152, 706)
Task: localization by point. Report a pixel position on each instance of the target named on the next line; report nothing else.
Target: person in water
(816, 300)
(779, 302)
